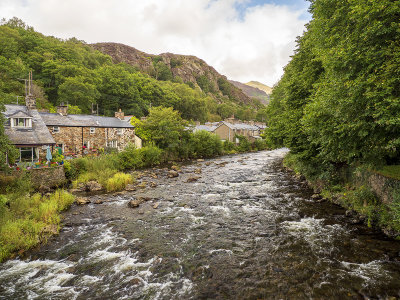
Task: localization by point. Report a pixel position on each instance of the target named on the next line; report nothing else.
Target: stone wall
(73, 138)
(384, 187)
(48, 177)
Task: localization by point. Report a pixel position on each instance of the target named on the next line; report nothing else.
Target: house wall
(223, 133)
(73, 138)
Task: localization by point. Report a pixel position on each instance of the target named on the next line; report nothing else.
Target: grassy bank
(28, 219)
(343, 187)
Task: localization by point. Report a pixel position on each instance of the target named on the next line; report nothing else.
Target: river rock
(153, 175)
(193, 179)
(82, 200)
(143, 199)
(130, 187)
(172, 174)
(208, 163)
(197, 171)
(93, 186)
(175, 168)
(153, 184)
(98, 201)
(200, 160)
(142, 185)
(134, 203)
(156, 205)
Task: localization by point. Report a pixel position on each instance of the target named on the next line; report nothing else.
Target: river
(244, 230)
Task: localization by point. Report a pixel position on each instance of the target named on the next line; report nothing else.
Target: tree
(165, 127)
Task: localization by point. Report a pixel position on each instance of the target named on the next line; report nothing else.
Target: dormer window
(21, 122)
(56, 129)
(92, 130)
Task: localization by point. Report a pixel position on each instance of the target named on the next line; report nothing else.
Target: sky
(242, 39)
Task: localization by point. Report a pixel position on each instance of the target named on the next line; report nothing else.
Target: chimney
(62, 109)
(30, 100)
(119, 114)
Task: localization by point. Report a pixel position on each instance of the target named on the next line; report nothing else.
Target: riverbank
(368, 195)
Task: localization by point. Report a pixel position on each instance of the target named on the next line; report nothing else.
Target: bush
(206, 144)
(244, 144)
(118, 182)
(151, 156)
(228, 146)
(260, 144)
(130, 158)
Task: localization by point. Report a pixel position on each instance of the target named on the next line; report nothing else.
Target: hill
(252, 92)
(179, 68)
(261, 86)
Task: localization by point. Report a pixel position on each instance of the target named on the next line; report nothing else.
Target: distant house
(227, 131)
(76, 135)
(27, 131)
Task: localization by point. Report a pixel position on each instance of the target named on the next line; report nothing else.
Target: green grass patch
(118, 182)
(26, 221)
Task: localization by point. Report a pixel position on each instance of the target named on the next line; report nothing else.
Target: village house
(229, 129)
(27, 131)
(76, 135)
(34, 132)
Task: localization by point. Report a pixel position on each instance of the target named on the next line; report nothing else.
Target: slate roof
(55, 119)
(238, 126)
(204, 127)
(37, 135)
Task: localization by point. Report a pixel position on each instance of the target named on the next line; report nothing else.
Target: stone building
(27, 131)
(227, 131)
(76, 135)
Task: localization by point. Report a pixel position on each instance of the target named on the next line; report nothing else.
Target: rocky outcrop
(190, 69)
(252, 92)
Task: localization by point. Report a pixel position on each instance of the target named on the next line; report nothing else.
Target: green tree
(165, 127)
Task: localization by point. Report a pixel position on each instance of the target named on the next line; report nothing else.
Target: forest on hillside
(70, 71)
(338, 102)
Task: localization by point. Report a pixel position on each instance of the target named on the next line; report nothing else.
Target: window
(21, 122)
(56, 129)
(112, 144)
(92, 130)
(86, 144)
(28, 154)
(120, 131)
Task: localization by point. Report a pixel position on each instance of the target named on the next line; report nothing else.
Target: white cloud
(254, 45)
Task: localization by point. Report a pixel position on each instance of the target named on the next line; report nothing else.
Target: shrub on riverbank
(26, 221)
(205, 145)
(118, 182)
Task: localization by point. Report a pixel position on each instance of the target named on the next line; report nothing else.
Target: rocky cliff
(180, 68)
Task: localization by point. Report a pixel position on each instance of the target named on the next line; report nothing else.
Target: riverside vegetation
(337, 105)
(28, 218)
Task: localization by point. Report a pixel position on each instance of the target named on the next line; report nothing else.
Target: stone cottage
(27, 131)
(76, 135)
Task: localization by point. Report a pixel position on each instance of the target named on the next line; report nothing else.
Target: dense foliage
(71, 71)
(338, 101)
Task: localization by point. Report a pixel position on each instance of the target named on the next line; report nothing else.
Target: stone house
(227, 131)
(77, 135)
(26, 130)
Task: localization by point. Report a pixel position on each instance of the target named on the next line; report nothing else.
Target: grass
(118, 182)
(26, 221)
(390, 171)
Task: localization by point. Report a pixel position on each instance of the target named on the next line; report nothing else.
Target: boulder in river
(82, 200)
(200, 160)
(93, 186)
(193, 179)
(130, 187)
(153, 184)
(197, 171)
(134, 203)
(156, 205)
(172, 174)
